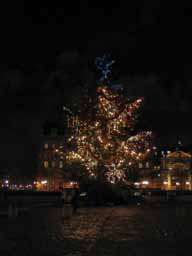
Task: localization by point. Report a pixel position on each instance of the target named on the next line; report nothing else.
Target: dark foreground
(133, 230)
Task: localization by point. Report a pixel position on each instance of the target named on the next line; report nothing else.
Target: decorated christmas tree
(106, 143)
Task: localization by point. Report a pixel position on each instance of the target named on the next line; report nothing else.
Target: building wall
(153, 173)
(51, 161)
(177, 172)
(164, 176)
(52, 150)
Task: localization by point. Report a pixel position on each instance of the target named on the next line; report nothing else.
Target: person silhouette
(75, 200)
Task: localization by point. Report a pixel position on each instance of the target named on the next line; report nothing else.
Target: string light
(104, 141)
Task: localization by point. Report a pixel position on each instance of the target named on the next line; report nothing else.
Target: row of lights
(145, 182)
(177, 183)
(16, 186)
(21, 186)
(7, 184)
(43, 182)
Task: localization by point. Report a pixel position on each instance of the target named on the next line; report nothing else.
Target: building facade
(171, 171)
(166, 169)
(52, 174)
(177, 171)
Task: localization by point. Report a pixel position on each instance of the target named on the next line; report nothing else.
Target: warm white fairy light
(100, 142)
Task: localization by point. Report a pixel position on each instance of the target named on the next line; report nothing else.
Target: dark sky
(48, 53)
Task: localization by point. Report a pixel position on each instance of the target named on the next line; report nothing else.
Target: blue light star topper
(103, 64)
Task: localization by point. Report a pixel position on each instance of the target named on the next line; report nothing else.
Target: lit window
(147, 165)
(60, 164)
(53, 164)
(46, 145)
(140, 165)
(46, 164)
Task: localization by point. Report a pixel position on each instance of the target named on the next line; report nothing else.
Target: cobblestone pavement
(131, 230)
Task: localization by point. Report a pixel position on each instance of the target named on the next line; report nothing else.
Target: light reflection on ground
(131, 230)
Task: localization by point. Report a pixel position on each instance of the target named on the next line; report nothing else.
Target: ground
(130, 230)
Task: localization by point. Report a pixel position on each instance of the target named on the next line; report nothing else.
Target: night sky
(47, 56)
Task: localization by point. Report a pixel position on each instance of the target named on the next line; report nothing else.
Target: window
(46, 164)
(60, 164)
(53, 164)
(46, 146)
(140, 165)
(53, 145)
(147, 165)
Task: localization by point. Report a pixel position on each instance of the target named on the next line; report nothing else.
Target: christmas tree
(106, 143)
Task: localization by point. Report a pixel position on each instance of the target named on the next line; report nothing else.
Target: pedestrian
(75, 200)
(63, 196)
(66, 199)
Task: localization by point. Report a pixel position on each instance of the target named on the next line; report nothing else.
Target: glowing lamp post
(44, 183)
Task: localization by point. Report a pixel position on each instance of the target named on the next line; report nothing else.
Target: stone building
(177, 170)
(52, 174)
(169, 170)
(50, 158)
(149, 173)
